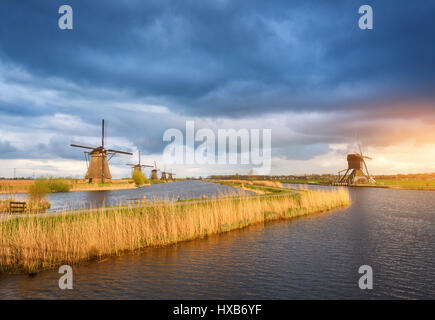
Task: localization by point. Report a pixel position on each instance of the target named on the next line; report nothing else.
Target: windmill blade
(130, 164)
(368, 158)
(360, 150)
(365, 166)
(117, 151)
(84, 147)
(146, 166)
(102, 134)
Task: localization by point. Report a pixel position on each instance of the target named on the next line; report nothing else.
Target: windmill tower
(154, 172)
(357, 171)
(170, 175)
(98, 167)
(138, 166)
(163, 176)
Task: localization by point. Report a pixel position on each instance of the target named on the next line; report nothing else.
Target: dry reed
(32, 244)
(32, 206)
(14, 186)
(10, 186)
(264, 183)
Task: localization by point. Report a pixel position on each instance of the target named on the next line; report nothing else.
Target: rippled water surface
(316, 257)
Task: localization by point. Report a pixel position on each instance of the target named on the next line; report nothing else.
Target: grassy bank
(32, 244)
(390, 183)
(32, 206)
(114, 185)
(256, 186)
(417, 184)
(10, 186)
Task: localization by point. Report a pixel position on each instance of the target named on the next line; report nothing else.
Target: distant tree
(39, 189)
(139, 178)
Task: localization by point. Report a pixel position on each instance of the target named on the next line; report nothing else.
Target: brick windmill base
(95, 169)
(154, 175)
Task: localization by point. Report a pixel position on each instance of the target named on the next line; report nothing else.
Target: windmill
(170, 174)
(138, 166)
(164, 175)
(98, 167)
(154, 172)
(357, 171)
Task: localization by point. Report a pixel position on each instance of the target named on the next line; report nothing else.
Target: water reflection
(310, 257)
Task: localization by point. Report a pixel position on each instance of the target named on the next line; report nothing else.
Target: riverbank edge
(267, 216)
(363, 186)
(122, 187)
(75, 188)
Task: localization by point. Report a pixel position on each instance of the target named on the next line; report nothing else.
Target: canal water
(189, 189)
(315, 257)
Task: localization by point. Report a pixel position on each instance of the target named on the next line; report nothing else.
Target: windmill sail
(98, 169)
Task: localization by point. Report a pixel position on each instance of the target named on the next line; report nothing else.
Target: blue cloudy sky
(302, 68)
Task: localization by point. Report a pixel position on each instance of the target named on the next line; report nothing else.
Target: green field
(411, 183)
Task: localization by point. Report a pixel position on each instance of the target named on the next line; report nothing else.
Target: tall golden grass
(10, 186)
(264, 183)
(99, 187)
(273, 184)
(32, 244)
(32, 206)
(14, 186)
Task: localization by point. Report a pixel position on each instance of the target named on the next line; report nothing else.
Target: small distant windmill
(138, 166)
(163, 177)
(154, 172)
(357, 171)
(170, 175)
(98, 168)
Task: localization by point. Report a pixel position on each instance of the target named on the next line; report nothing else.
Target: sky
(301, 68)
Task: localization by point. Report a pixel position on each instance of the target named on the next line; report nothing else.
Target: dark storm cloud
(214, 61)
(229, 58)
(6, 148)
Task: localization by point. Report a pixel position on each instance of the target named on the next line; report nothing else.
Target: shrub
(38, 190)
(139, 178)
(59, 185)
(37, 206)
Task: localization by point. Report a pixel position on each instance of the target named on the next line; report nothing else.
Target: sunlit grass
(256, 186)
(32, 205)
(411, 183)
(31, 244)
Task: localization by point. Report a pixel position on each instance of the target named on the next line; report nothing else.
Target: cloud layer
(302, 68)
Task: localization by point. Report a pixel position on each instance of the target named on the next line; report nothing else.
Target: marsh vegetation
(32, 244)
